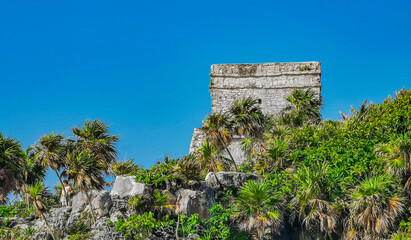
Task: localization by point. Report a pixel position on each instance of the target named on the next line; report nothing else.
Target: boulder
(228, 179)
(190, 202)
(127, 187)
(102, 204)
(79, 202)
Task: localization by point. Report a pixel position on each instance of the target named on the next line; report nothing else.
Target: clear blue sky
(143, 66)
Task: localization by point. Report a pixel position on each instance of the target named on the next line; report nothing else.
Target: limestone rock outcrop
(190, 202)
(196, 197)
(102, 231)
(221, 180)
(127, 187)
(102, 204)
(79, 202)
(56, 218)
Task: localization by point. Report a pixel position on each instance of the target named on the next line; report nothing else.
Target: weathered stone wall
(270, 83)
(235, 149)
(197, 139)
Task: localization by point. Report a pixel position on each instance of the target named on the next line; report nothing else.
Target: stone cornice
(279, 87)
(265, 69)
(272, 75)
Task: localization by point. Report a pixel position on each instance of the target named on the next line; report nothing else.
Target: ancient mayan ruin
(270, 83)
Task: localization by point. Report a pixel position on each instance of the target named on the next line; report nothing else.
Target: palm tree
(85, 170)
(49, 153)
(275, 155)
(208, 158)
(95, 138)
(30, 172)
(10, 156)
(404, 146)
(310, 201)
(257, 208)
(392, 157)
(304, 108)
(360, 113)
(247, 118)
(37, 194)
(217, 130)
(374, 208)
(187, 168)
(123, 168)
(396, 155)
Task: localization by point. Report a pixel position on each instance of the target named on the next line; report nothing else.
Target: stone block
(127, 187)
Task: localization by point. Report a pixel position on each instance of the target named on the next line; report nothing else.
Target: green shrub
(158, 175)
(17, 209)
(80, 236)
(135, 201)
(138, 227)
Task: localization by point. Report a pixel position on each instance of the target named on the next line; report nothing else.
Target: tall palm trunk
(45, 221)
(226, 148)
(215, 164)
(407, 162)
(91, 207)
(48, 226)
(24, 195)
(178, 224)
(256, 236)
(260, 233)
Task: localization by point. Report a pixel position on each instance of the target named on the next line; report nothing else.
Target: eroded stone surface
(197, 139)
(102, 231)
(56, 218)
(190, 202)
(127, 187)
(79, 202)
(102, 204)
(227, 179)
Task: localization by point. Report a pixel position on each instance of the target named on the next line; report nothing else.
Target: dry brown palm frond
(375, 207)
(7, 182)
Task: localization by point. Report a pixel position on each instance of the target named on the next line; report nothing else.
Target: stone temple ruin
(270, 83)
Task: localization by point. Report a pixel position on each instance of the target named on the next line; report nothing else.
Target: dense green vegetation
(83, 159)
(348, 179)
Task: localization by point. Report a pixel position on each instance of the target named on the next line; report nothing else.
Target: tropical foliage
(123, 168)
(346, 179)
(10, 155)
(84, 160)
(257, 208)
(86, 173)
